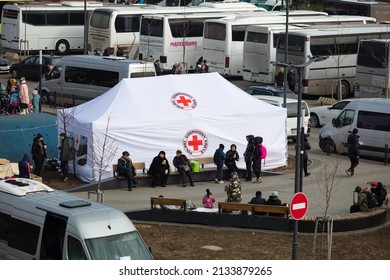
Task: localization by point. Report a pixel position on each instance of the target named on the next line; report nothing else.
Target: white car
(322, 115)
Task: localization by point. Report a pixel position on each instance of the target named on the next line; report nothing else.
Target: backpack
(372, 201)
(261, 148)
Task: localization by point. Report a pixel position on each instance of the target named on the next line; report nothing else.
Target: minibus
(40, 223)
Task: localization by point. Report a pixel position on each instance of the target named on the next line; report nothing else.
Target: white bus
(174, 38)
(118, 28)
(223, 39)
(56, 26)
(260, 45)
(335, 75)
(372, 68)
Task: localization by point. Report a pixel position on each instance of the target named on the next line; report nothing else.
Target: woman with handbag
(182, 164)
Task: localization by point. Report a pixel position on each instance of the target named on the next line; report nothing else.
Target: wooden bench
(203, 161)
(137, 166)
(273, 209)
(162, 201)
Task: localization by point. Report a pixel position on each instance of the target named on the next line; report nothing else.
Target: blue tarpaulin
(18, 131)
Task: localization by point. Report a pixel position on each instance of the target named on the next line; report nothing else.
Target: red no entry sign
(298, 206)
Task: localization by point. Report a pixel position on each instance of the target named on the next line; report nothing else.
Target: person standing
(24, 167)
(127, 169)
(353, 151)
(231, 157)
(182, 164)
(35, 101)
(23, 96)
(291, 79)
(38, 151)
(248, 156)
(306, 147)
(65, 155)
(159, 169)
(157, 67)
(256, 161)
(208, 199)
(279, 78)
(219, 159)
(204, 67)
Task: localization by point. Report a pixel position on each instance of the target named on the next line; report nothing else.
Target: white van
(292, 113)
(371, 116)
(37, 222)
(79, 78)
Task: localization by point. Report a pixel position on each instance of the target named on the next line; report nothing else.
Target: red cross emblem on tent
(195, 142)
(183, 101)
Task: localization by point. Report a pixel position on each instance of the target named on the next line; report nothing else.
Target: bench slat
(274, 209)
(167, 201)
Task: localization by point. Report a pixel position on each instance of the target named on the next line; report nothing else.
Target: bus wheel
(344, 90)
(45, 98)
(62, 47)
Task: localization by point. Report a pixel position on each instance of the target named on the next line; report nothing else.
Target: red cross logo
(195, 142)
(183, 101)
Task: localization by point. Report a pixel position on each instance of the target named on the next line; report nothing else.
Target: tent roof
(171, 97)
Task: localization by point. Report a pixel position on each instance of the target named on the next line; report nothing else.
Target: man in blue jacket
(219, 160)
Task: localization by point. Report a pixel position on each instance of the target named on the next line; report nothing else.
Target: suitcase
(195, 166)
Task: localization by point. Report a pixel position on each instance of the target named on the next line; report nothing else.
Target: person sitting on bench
(126, 169)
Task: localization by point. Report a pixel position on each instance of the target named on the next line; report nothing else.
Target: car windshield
(126, 246)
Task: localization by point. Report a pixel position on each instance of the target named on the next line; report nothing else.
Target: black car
(270, 91)
(29, 67)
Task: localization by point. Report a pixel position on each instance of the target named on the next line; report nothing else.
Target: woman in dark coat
(231, 157)
(24, 167)
(159, 169)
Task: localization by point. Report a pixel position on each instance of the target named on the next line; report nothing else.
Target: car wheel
(62, 47)
(14, 73)
(314, 120)
(328, 146)
(46, 98)
(345, 91)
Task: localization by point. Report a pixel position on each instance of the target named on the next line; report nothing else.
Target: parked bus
(372, 68)
(174, 38)
(380, 10)
(223, 39)
(335, 75)
(39, 223)
(56, 26)
(118, 28)
(260, 45)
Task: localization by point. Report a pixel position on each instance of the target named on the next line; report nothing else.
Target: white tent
(192, 113)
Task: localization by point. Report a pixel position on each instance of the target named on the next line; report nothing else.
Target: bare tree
(103, 152)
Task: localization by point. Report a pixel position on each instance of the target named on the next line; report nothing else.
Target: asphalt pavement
(314, 186)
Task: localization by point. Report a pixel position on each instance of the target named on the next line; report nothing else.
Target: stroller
(14, 102)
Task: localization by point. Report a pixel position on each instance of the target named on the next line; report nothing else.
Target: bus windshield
(215, 31)
(372, 54)
(126, 246)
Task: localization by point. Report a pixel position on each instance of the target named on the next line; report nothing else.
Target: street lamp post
(300, 132)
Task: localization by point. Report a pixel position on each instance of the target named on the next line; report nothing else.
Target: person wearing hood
(361, 205)
(35, 101)
(231, 157)
(379, 190)
(306, 147)
(38, 151)
(248, 156)
(273, 199)
(127, 169)
(159, 169)
(353, 151)
(24, 167)
(183, 166)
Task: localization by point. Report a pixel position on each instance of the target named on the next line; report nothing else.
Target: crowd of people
(15, 98)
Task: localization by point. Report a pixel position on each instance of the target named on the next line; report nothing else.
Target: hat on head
(373, 183)
(35, 92)
(39, 135)
(355, 131)
(63, 134)
(222, 146)
(358, 189)
(125, 153)
(179, 152)
(273, 193)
